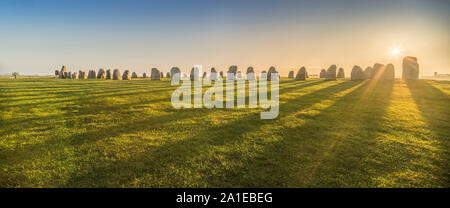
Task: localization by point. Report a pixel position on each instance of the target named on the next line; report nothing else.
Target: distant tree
(15, 74)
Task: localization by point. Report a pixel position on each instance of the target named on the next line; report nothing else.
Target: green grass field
(105, 133)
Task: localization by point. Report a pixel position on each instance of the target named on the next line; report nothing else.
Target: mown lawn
(105, 133)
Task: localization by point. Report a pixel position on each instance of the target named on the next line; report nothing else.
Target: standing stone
(69, 75)
(92, 75)
(389, 72)
(108, 74)
(410, 68)
(101, 74)
(175, 70)
(134, 75)
(213, 75)
(331, 73)
(368, 72)
(221, 74)
(271, 71)
(75, 75)
(251, 73)
(56, 73)
(323, 74)
(168, 74)
(341, 73)
(195, 74)
(301, 74)
(377, 70)
(263, 75)
(126, 75)
(116, 75)
(357, 73)
(162, 75)
(204, 75)
(155, 75)
(232, 70)
(144, 75)
(307, 76)
(291, 74)
(63, 72)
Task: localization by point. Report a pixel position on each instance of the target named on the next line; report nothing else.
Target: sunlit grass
(105, 133)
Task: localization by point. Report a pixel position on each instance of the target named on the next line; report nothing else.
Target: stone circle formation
(410, 71)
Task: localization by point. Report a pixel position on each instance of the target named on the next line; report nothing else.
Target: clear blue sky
(37, 37)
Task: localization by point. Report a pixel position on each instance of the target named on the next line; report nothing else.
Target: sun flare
(395, 51)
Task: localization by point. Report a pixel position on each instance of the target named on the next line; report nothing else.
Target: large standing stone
(301, 74)
(232, 70)
(270, 72)
(155, 75)
(116, 75)
(389, 72)
(101, 74)
(357, 73)
(56, 73)
(341, 73)
(168, 74)
(291, 74)
(323, 73)
(63, 72)
(92, 74)
(108, 74)
(162, 75)
(75, 75)
(126, 75)
(251, 73)
(410, 68)
(368, 72)
(175, 70)
(377, 71)
(331, 73)
(69, 75)
(134, 75)
(144, 75)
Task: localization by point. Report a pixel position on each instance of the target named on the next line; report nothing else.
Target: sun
(395, 51)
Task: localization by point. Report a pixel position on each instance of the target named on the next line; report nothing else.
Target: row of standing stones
(155, 74)
(102, 74)
(378, 71)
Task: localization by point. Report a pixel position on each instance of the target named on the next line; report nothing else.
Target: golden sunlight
(395, 51)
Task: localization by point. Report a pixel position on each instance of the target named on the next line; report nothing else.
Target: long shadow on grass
(304, 155)
(433, 105)
(188, 155)
(93, 93)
